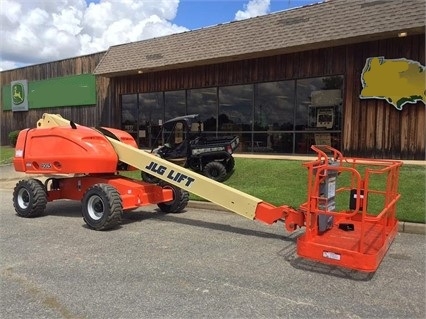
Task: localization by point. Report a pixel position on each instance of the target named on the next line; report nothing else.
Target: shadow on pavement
(140, 216)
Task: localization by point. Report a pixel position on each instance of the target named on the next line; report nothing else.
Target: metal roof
(330, 23)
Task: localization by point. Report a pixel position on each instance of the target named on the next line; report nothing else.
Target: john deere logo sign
(18, 96)
(18, 92)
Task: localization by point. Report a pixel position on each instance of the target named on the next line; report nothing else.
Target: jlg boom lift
(352, 231)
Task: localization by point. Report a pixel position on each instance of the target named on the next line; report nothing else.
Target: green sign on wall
(19, 92)
(74, 90)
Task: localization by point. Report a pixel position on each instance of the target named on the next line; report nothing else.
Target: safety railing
(353, 230)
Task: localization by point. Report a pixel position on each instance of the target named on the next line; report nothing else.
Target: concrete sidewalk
(9, 178)
(310, 158)
(7, 172)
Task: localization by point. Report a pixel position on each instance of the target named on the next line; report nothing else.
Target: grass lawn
(284, 182)
(6, 154)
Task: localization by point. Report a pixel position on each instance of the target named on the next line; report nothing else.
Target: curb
(412, 228)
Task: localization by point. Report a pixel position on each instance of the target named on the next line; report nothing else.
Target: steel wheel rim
(95, 207)
(23, 198)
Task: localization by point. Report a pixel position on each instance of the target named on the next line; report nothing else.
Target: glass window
(175, 104)
(236, 112)
(319, 111)
(151, 116)
(273, 113)
(274, 106)
(236, 108)
(204, 103)
(129, 113)
(282, 116)
(304, 89)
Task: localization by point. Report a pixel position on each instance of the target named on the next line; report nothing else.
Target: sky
(38, 31)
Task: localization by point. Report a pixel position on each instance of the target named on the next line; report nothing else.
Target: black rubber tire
(215, 171)
(102, 207)
(179, 202)
(146, 177)
(230, 164)
(194, 164)
(29, 198)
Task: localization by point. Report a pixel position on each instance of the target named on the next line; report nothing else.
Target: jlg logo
(172, 175)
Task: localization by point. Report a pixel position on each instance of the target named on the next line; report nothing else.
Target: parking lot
(198, 264)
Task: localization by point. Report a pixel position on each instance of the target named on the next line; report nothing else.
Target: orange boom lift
(349, 215)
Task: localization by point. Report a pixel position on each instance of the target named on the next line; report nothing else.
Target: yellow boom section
(218, 193)
(195, 183)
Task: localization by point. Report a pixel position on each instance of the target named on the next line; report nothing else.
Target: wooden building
(281, 82)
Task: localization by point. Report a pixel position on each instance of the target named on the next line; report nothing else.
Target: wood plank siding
(371, 127)
(87, 115)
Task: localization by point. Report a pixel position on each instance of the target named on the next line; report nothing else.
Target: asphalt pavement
(202, 263)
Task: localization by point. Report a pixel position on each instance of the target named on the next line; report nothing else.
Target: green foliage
(13, 137)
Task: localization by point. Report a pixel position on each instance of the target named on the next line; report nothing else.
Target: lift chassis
(349, 215)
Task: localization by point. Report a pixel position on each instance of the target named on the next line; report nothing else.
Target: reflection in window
(236, 112)
(304, 141)
(174, 104)
(151, 116)
(151, 108)
(273, 112)
(235, 108)
(281, 117)
(129, 113)
(318, 110)
(319, 103)
(204, 103)
(274, 106)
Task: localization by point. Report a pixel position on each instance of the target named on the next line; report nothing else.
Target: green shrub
(13, 137)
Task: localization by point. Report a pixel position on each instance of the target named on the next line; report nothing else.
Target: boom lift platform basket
(349, 216)
(353, 237)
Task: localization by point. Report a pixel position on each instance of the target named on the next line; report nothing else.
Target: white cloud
(253, 8)
(38, 31)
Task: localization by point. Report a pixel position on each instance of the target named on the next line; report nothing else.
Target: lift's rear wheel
(216, 171)
(102, 207)
(179, 202)
(29, 198)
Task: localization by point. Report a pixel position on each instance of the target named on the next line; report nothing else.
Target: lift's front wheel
(102, 207)
(29, 198)
(179, 201)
